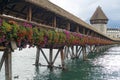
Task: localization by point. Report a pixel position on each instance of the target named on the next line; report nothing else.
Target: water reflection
(46, 74)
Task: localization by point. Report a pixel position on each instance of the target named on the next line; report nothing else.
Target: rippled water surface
(102, 66)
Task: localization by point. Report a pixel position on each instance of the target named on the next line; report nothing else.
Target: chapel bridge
(44, 25)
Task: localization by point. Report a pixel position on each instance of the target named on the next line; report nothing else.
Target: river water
(101, 66)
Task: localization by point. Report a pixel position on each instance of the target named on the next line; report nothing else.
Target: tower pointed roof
(99, 15)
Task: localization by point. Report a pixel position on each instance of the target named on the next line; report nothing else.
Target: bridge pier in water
(51, 60)
(7, 60)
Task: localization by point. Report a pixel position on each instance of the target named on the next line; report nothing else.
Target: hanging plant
(15, 28)
(21, 34)
(6, 27)
(56, 37)
(62, 38)
(50, 36)
(29, 35)
(25, 34)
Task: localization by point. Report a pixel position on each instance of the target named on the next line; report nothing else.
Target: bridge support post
(8, 64)
(101, 48)
(84, 52)
(76, 51)
(79, 52)
(37, 56)
(97, 49)
(91, 49)
(73, 55)
(2, 60)
(50, 65)
(62, 59)
(66, 52)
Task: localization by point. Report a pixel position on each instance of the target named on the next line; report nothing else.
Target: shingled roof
(99, 15)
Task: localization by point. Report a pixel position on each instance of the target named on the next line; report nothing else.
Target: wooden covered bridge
(42, 24)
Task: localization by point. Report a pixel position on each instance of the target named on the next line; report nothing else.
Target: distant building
(99, 20)
(113, 32)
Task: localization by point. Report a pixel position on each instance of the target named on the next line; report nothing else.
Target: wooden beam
(29, 13)
(67, 51)
(2, 61)
(92, 33)
(77, 29)
(79, 52)
(37, 56)
(44, 55)
(54, 21)
(84, 52)
(62, 59)
(68, 26)
(72, 49)
(56, 56)
(84, 31)
(8, 65)
(88, 32)
(50, 57)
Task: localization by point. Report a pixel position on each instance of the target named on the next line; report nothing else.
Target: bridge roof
(59, 11)
(49, 7)
(99, 15)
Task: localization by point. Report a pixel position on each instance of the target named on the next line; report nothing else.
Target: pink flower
(67, 34)
(27, 25)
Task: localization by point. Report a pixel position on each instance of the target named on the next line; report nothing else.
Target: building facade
(113, 32)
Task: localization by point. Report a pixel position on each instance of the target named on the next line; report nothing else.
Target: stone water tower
(99, 20)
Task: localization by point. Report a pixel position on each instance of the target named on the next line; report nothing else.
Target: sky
(84, 9)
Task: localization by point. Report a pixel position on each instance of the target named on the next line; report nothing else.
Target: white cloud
(85, 8)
